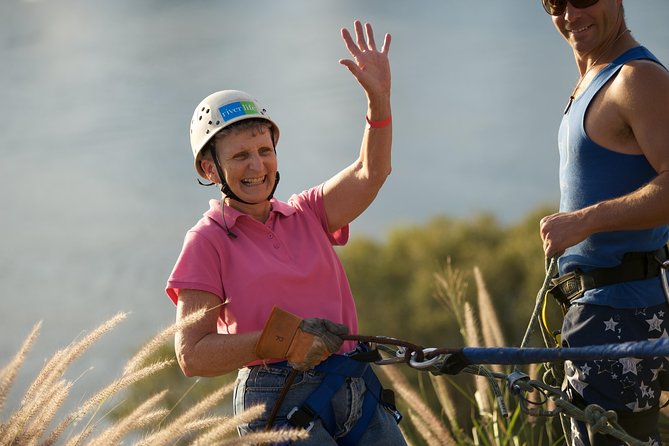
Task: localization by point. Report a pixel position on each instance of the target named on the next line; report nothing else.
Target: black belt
(635, 266)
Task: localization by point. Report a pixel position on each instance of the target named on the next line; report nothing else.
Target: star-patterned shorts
(626, 385)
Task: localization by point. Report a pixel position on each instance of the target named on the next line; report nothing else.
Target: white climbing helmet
(219, 110)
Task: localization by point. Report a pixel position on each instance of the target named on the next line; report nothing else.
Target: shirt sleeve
(198, 268)
(311, 200)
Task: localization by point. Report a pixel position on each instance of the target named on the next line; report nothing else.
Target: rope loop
(600, 419)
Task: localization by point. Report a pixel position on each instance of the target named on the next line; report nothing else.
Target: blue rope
(512, 356)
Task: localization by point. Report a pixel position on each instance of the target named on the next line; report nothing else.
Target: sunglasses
(558, 7)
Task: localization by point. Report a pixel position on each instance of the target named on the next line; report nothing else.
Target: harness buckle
(568, 287)
(518, 382)
(301, 417)
(387, 399)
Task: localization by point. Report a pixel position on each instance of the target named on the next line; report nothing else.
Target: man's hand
(562, 230)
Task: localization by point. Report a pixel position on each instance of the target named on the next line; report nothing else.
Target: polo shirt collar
(232, 214)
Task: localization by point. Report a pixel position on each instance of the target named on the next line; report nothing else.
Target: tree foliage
(393, 280)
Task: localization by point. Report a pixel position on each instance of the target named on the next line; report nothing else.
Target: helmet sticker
(235, 109)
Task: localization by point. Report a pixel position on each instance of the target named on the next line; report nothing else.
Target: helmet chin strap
(225, 188)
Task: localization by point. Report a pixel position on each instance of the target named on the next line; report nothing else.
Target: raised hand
(369, 66)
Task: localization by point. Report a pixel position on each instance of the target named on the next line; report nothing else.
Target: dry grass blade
(79, 438)
(180, 425)
(472, 334)
(451, 290)
(55, 367)
(226, 427)
(439, 382)
(45, 413)
(473, 339)
(104, 394)
(143, 414)
(145, 352)
(425, 431)
(202, 424)
(206, 423)
(404, 390)
(491, 329)
(29, 410)
(9, 372)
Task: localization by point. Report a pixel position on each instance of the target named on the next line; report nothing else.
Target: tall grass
(34, 422)
(479, 420)
(434, 414)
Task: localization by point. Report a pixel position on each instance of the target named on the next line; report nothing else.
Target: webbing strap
(369, 404)
(634, 266)
(318, 404)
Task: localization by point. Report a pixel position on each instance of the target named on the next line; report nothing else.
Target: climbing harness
(338, 369)
(634, 266)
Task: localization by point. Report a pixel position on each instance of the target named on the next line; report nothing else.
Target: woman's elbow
(187, 362)
(189, 357)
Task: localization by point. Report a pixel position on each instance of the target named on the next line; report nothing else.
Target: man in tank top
(611, 231)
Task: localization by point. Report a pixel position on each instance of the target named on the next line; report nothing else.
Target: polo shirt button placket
(276, 244)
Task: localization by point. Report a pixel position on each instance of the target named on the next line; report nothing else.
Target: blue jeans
(262, 384)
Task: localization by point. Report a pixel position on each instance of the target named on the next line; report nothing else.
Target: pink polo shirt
(288, 261)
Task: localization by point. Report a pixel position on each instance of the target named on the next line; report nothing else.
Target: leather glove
(303, 342)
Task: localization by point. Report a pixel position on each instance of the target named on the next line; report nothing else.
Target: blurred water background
(96, 178)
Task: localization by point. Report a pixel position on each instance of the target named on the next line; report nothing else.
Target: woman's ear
(209, 170)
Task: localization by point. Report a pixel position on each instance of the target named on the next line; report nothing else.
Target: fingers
(386, 44)
(360, 36)
(371, 44)
(556, 234)
(545, 237)
(317, 353)
(334, 328)
(364, 39)
(348, 41)
(327, 333)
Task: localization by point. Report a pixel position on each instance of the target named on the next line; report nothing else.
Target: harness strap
(634, 266)
(337, 370)
(369, 404)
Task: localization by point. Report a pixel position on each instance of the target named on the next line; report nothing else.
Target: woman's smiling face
(249, 163)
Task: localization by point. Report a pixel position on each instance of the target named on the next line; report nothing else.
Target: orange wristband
(379, 124)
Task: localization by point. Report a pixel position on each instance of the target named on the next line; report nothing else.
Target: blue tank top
(590, 173)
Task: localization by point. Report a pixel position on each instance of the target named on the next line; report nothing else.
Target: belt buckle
(568, 286)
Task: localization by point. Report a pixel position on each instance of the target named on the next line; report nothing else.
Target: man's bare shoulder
(641, 80)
